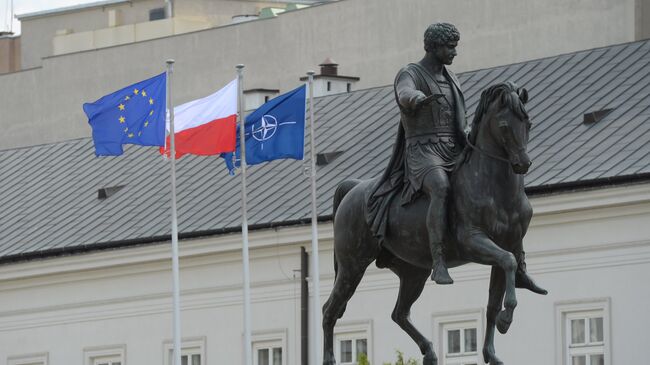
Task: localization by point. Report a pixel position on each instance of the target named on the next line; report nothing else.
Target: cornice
(227, 246)
(601, 198)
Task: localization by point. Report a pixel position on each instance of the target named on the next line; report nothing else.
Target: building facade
(85, 277)
(85, 260)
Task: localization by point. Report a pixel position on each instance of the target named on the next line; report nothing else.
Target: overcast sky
(29, 6)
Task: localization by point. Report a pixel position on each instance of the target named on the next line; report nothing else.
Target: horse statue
(489, 214)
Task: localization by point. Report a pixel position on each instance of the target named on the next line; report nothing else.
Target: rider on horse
(431, 136)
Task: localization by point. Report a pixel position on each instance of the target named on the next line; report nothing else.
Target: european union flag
(274, 131)
(132, 115)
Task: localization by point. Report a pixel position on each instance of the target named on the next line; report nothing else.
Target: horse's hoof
(504, 319)
(430, 359)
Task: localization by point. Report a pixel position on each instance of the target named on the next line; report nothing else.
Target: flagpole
(248, 348)
(315, 272)
(175, 264)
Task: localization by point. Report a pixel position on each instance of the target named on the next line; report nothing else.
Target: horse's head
(501, 125)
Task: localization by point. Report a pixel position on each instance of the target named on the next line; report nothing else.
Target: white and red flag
(206, 126)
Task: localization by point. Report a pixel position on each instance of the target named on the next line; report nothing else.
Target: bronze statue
(432, 125)
(435, 167)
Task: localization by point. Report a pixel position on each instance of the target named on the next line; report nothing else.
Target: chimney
(329, 82)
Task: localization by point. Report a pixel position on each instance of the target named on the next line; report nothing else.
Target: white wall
(581, 245)
(370, 39)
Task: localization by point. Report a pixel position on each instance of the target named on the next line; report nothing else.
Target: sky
(29, 6)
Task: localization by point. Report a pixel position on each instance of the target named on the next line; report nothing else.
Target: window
(267, 354)
(351, 348)
(32, 359)
(269, 347)
(329, 86)
(107, 361)
(350, 341)
(349, 87)
(460, 343)
(192, 351)
(105, 355)
(156, 14)
(583, 327)
(458, 336)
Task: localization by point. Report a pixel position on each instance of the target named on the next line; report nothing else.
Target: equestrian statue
(447, 198)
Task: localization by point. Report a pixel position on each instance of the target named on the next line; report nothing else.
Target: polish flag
(206, 126)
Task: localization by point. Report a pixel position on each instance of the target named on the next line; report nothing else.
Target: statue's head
(441, 40)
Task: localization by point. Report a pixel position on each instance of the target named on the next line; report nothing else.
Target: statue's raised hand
(422, 100)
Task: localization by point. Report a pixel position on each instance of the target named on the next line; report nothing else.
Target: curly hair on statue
(440, 33)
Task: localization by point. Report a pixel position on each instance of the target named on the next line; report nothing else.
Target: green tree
(362, 359)
(401, 361)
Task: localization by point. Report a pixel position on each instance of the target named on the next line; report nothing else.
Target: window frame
(93, 354)
(41, 357)
(189, 346)
(353, 330)
(565, 311)
(268, 339)
(454, 320)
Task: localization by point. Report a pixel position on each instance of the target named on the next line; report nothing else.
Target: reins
(487, 153)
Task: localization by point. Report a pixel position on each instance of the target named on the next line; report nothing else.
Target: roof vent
(329, 67)
(104, 193)
(325, 158)
(593, 117)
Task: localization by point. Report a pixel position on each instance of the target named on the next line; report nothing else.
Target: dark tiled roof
(49, 192)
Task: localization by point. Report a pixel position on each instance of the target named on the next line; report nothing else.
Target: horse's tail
(341, 190)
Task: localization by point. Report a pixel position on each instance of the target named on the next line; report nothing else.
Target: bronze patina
(445, 199)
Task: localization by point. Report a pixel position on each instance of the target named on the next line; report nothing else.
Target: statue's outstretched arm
(409, 97)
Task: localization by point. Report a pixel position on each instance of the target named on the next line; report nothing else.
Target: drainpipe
(170, 9)
(304, 307)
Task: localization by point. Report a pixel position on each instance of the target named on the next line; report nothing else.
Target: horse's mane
(509, 94)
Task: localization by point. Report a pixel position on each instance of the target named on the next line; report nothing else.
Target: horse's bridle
(487, 153)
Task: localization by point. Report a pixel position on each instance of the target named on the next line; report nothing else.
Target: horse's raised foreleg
(497, 289)
(481, 249)
(411, 283)
(347, 280)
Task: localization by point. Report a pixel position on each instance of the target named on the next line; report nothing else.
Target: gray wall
(9, 54)
(642, 19)
(371, 39)
(38, 31)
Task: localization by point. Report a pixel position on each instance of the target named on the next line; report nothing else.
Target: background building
(370, 39)
(85, 260)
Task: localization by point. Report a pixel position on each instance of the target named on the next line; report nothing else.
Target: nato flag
(276, 130)
(132, 115)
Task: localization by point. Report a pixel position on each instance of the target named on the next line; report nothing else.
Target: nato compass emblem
(266, 128)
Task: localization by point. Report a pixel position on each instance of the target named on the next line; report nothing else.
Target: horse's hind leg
(497, 289)
(346, 282)
(411, 283)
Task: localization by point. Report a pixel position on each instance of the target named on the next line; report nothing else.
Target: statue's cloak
(393, 181)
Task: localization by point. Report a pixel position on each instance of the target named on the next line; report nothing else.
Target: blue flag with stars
(132, 115)
(276, 130)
